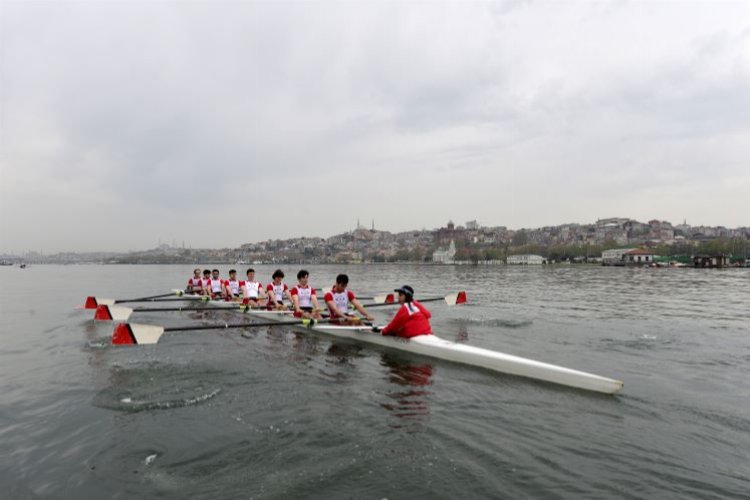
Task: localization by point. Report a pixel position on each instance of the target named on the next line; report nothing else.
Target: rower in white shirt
(304, 299)
(277, 290)
(253, 293)
(231, 287)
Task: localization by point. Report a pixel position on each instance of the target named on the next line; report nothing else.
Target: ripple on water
(157, 386)
(492, 322)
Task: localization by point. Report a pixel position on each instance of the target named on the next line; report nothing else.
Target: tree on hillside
(520, 238)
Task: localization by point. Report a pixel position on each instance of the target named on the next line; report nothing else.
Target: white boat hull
(435, 347)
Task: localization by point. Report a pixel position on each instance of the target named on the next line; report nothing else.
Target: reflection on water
(339, 364)
(410, 402)
(342, 353)
(462, 335)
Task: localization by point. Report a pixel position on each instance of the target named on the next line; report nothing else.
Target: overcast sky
(123, 123)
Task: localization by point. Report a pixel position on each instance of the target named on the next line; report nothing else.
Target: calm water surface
(268, 413)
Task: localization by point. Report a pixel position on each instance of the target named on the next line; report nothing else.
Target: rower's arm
(295, 303)
(359, 307)
(335, 310)
(272, 295)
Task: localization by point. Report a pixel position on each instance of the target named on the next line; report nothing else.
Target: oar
(186, 298)
(377, 298)
(134, 333)
(179, 293)
(94, 302)
(381, 299)
(450, 299)
(121, 313)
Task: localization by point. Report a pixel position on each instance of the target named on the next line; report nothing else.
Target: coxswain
(252, 291)
(195, 284)
(231, 286)
(215, 287)
(277, 290)
(411, 320)
(338, 300)
(304, 298)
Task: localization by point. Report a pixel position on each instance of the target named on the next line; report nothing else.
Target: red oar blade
(456, 298)
(94, 302)
(102, 313)
(134, 334)
(112, 313)
(384, 299)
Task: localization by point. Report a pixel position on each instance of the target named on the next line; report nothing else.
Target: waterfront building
(627, 257)
(445, 256)
(717, 260)
(526, 259)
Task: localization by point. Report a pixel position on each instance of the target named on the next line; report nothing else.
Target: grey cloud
(174, 117)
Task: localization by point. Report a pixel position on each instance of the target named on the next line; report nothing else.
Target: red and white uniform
(196, 284)
(340, 300)
(277, 290)
(305, 295)
(411, 320)
(251, 288)
(206, 282)
(233, 286)
(214, 286)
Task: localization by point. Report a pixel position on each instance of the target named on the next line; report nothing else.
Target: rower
(338, 300)
(304, 299)
(206, 281)
(277, 290)
(215, 285)
(252, 291)
(411, 320)
(231, 287)
(195, 284)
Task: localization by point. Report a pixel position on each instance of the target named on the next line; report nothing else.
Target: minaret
(373, 224)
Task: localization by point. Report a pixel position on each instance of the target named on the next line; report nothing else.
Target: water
(274, 414)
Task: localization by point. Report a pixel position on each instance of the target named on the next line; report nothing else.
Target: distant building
(614, 257)
(445, 256)
(718, 260)
(627, 257)
(526, 259)
(472, 224)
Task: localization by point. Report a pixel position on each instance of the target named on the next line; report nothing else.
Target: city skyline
(177, 244)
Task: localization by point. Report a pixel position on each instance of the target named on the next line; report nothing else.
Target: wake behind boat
(423, 345)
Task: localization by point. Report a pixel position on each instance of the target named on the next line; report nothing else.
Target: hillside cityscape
(467, 243)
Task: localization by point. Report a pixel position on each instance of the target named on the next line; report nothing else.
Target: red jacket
(412, 319)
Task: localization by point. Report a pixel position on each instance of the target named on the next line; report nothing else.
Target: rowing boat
(423, 345)
(436, 347)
